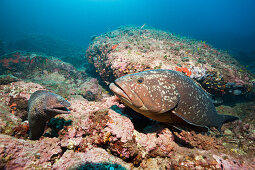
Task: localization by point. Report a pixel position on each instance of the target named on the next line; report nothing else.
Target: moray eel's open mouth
(62, 110)
(118, 91)
(59, 110)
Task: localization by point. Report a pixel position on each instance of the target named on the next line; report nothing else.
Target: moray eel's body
(169, 96)
(42, 106)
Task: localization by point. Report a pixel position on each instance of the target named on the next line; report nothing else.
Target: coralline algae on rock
(133, 49)
(22, 154)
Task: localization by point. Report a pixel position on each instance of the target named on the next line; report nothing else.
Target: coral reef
(133, 49)
(100, 132)
(94, 135)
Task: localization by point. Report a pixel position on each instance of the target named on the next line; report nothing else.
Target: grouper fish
(171, 97)
(42, 106)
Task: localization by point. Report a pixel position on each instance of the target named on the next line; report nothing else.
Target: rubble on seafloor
(100, 132)
(134, 49)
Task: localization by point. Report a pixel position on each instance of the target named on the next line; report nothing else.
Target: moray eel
(42, 106)
(171, 97)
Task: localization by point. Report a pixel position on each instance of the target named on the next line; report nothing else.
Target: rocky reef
(134, 49)
(102, 133)
(53, 73)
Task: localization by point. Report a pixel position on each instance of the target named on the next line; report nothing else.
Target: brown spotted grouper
(169, 96)
(42, 106)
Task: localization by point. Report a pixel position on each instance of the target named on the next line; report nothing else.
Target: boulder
(133, 49)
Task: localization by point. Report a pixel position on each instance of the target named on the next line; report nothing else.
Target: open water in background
(227, 25)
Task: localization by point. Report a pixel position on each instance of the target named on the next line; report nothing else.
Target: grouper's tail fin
(226, 119)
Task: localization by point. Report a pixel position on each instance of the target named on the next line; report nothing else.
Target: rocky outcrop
(133, 49)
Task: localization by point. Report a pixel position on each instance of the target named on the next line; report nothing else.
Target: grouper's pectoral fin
(182, 124)
(170, 96)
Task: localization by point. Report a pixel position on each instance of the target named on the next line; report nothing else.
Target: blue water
(226, 24)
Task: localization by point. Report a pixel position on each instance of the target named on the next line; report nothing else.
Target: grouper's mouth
(118, 91)
(126, 94)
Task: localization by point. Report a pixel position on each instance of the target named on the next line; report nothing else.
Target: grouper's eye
(140, 80)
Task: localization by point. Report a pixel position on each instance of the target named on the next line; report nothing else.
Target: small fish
(42, 106)
(171, 97)
(142, 26)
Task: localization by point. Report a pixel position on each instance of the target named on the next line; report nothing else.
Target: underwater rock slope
(133, 49)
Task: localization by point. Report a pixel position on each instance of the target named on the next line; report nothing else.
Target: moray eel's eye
(140, 80)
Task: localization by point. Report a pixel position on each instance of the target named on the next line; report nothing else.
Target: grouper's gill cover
(164, 94)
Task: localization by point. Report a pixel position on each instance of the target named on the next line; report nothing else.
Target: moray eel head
(42, 106)
(55, 105)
